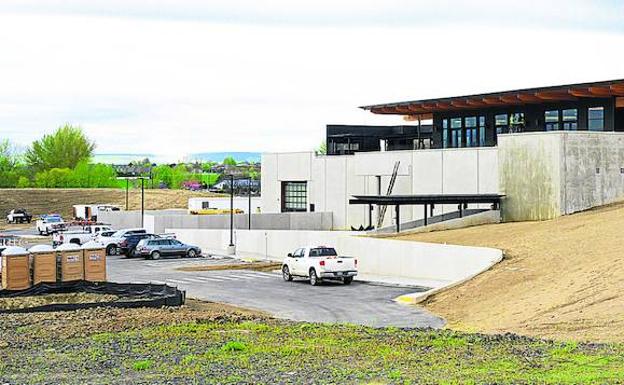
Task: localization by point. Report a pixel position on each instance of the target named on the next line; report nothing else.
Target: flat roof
(427, 199)
(567, 92)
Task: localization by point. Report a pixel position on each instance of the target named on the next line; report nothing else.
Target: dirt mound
(43, 201)
(561, 279)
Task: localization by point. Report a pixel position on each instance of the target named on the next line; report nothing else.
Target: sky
(176, 77)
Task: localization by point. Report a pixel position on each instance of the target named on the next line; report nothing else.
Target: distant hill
(219, 156)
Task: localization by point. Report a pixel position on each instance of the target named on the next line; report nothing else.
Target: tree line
(64, 159)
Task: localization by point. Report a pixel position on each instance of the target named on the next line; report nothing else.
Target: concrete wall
(332, 180)
(422, 262)
(158, 221)
(548, 174)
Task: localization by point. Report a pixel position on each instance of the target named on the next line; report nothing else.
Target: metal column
(398, 218)
(231, 210)
(425, 215)
(142, 202)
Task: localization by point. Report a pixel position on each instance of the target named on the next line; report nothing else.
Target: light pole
(231, 210)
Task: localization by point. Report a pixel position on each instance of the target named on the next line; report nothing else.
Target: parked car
(318, 263)
(129, 243)
(50, 224)
(111, 243)
(156, 248)
(19, 216)
(78, 237)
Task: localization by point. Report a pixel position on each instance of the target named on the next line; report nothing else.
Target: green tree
(23, 182)
(63, 149)
(229, 161)
(322, 148)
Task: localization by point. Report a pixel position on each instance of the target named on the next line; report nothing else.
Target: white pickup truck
(318, 263)
(50, 224)
(79, 237)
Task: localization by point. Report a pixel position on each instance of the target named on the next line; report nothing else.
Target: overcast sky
(173, 77)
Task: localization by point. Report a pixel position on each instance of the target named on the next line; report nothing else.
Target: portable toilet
(15, 268)
(94, 257)
(70, 260)
(43, 264)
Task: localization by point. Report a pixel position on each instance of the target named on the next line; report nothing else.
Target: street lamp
(142, 178)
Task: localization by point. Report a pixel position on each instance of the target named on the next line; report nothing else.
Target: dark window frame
(294, 196)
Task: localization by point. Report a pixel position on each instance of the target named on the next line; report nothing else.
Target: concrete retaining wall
(332, 180)
(158, 221)
(436, 264)
(548, 174)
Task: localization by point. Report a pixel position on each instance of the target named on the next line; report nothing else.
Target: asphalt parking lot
(359, 303)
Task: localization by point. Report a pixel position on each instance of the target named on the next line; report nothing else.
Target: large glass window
(294, 196)
(471, 131)
(481, 131)
(501, 123)
(516, 122)
(552, 120)
(456, 132)
(570, 119)
(595, 119)
(445, 134)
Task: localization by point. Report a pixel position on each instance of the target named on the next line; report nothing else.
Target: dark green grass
(276, 352)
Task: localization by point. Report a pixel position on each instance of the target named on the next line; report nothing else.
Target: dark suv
(130, 242)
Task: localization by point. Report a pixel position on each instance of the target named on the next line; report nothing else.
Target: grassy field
(42, 201)
(561, 279)
(213, 344)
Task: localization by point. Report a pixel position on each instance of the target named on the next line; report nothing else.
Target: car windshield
(323, 252)
(53, 219)
(118, 234)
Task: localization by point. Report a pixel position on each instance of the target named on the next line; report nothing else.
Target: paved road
(358, 303)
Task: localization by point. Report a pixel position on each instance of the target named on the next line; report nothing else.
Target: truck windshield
(323, 252)
(53, 219)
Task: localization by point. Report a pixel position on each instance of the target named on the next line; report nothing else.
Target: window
(501, 123)
(298, 253)
(482, 131)
(294, 196)
(595, 116)
(471, 131)
(516, 122)
(323, 252)
(205, 205)
(445, 135)
(570, 119)
(456, 130)
(552, 120)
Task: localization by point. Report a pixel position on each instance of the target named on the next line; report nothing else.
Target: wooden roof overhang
(424, 109)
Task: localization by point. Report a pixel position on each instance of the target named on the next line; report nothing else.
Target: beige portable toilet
(94, 257)
(15, 268)
(70, 260)
(43, 264)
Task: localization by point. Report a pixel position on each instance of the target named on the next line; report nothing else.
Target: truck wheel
(155, 255)
(347, 280)
(314, 279)
(286, 274)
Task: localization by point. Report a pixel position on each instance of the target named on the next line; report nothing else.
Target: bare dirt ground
(43, 201)
(561, 279)
(256, 266)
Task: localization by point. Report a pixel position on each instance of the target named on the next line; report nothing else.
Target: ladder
(382, 209)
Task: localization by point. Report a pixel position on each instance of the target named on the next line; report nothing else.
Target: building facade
(550, 151)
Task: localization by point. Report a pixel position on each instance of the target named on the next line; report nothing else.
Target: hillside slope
(42, 201)
(561, 279)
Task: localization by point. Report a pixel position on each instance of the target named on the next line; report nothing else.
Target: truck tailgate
(339, 264)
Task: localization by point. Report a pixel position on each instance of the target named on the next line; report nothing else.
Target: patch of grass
(234, 346)
(141, 365)
(245, 351)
